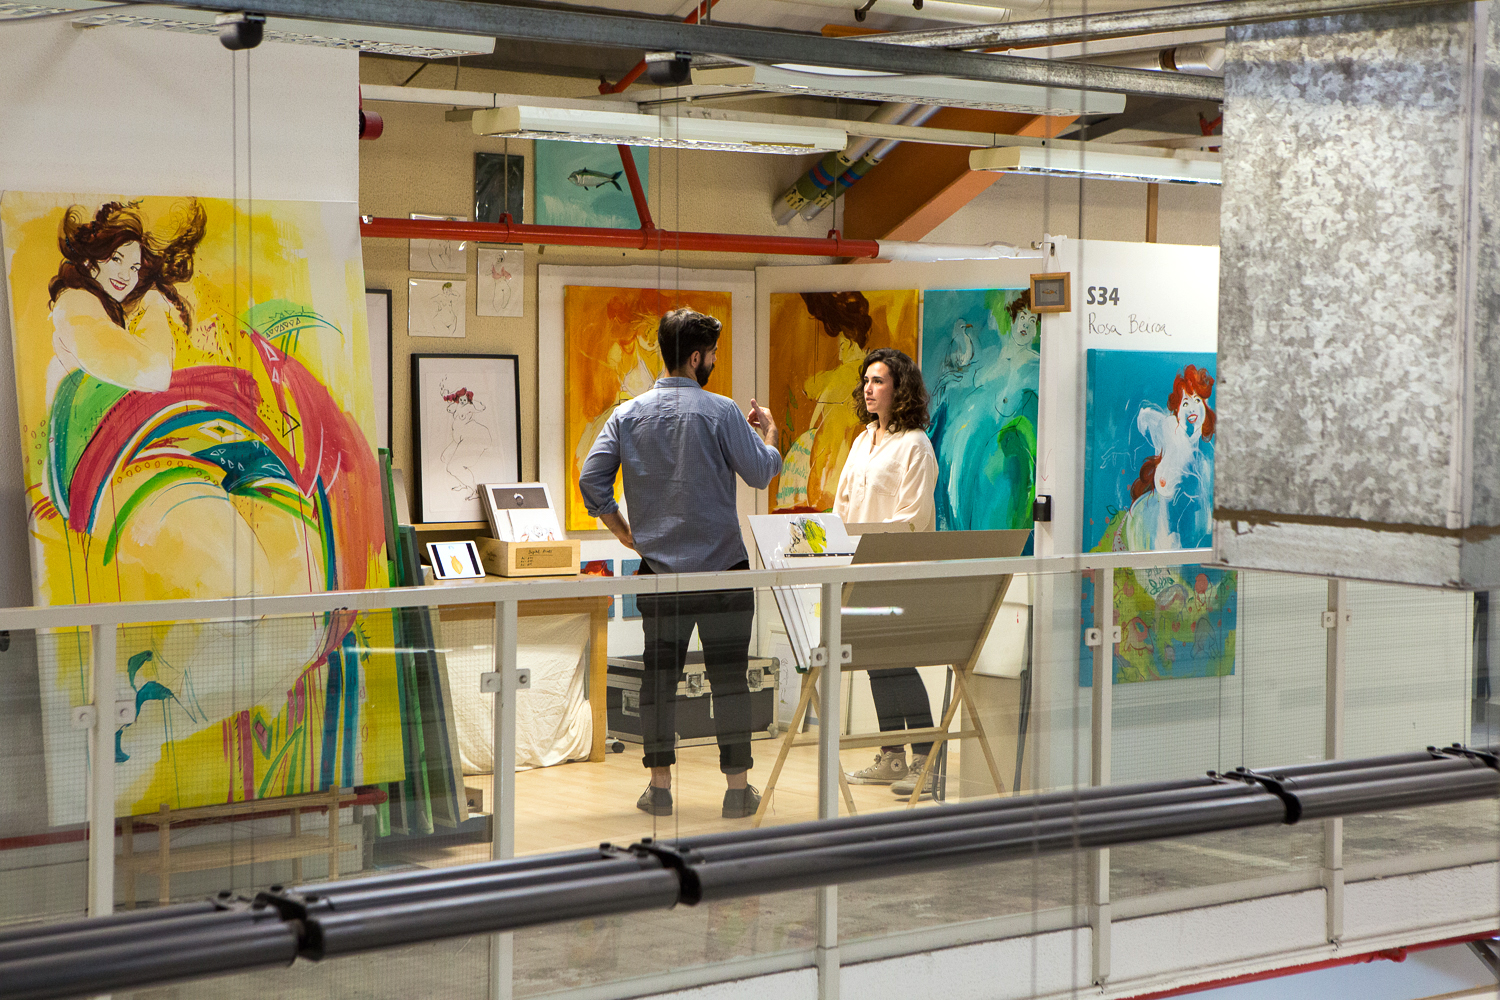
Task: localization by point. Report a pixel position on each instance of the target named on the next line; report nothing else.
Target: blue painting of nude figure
(1149, 486)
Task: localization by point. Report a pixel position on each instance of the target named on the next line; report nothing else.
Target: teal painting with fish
(584, 184)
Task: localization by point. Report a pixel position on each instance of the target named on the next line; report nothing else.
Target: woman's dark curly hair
(909, 409)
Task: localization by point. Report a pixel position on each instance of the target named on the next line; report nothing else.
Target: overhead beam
(470, 17)
(1121, 24)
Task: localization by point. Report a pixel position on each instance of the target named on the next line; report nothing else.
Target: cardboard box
(529, 558)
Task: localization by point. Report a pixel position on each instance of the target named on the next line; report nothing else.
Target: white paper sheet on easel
(797, 541)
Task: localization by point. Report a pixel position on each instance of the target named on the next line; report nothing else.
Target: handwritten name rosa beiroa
(1134, 325)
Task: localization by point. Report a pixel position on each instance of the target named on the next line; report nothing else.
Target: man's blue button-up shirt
(680, 448)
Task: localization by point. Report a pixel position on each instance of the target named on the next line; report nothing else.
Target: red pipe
(1389, 954)
(642, 210)
(628, 239)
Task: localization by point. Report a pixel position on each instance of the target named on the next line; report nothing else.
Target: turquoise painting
(981, 361)
(1149, 486)
(584, 184)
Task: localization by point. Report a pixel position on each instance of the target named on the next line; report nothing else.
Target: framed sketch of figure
(466, 431)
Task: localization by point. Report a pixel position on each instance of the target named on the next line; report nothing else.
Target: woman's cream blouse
(891, 481)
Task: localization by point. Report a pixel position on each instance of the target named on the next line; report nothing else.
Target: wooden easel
(878, 645)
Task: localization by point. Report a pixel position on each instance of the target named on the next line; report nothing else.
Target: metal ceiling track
(1125, 23)
(610, 30)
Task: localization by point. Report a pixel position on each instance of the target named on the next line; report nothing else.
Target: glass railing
(255, 724)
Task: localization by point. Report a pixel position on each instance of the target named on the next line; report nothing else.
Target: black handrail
(223, 935)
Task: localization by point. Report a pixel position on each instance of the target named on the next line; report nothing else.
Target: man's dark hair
(683, 331)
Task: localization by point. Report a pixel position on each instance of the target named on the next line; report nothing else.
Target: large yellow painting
(609, 340)
(818, 340)
(197, 421)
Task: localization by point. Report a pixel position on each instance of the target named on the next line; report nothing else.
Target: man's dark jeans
(723, 619)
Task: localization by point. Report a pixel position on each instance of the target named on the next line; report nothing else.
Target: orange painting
(609, 341)
(818, 340)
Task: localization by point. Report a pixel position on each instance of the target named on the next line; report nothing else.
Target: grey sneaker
(905, 788)
(889, 766)
(656, 801)
(741, 802)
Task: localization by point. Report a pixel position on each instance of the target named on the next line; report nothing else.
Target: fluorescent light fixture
(946, 91)
(365, 38)
(895, 250)
(1105, 166)
(614, 127)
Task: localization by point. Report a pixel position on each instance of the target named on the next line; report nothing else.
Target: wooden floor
(583, 804)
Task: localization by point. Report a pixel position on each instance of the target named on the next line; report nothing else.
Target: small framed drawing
(435, 308)
(378, 312)
(500, 281)
(1051, 293)
(521, 512)
(454, 560)
(466, 431)
(439, 256)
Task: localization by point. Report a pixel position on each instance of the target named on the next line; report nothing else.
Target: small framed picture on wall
(466, 431)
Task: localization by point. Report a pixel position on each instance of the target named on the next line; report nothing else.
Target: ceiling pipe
(1207, 60)
(621, 239)
(817, 182)
(1121, 24)
(651, 238)
(862, 166)
(557, 24)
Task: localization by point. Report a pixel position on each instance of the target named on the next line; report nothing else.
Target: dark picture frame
(378, 311)
(495, 176)
(466, 431)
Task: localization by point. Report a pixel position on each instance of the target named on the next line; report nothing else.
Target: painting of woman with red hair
(1149, 486)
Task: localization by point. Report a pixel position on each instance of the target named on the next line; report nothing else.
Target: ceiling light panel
(941, 90)
(1099, 165)
(364, 38)
(614, 127)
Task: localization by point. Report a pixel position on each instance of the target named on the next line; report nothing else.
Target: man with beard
(681, 448)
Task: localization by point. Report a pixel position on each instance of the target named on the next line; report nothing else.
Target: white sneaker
(889, 766)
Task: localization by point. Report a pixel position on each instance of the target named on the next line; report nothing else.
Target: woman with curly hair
(889, 476)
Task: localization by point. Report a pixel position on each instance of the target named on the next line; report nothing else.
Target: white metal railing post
(503, 784)
(1103, 641)
(102, 772)
(829, 714)
(1336, 620)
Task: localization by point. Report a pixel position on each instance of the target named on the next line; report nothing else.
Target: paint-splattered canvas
(196, 420)
(609, 340)
(818, 340)
(1149, 486)
(584, 184)
(981, 362)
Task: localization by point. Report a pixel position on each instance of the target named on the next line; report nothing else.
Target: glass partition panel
(1411, 683)
(691, 731)
(1017, 718)
(1213, 689)
(44, 774)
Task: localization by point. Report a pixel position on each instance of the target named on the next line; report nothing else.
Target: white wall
(132, 111)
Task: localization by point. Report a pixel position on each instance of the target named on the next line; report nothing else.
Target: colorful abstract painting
(629, 608)
(609, 341)
(982, 362)
(818, 340)
(197, 421)
(599, 567)
(1149, 486)
(584, 184)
